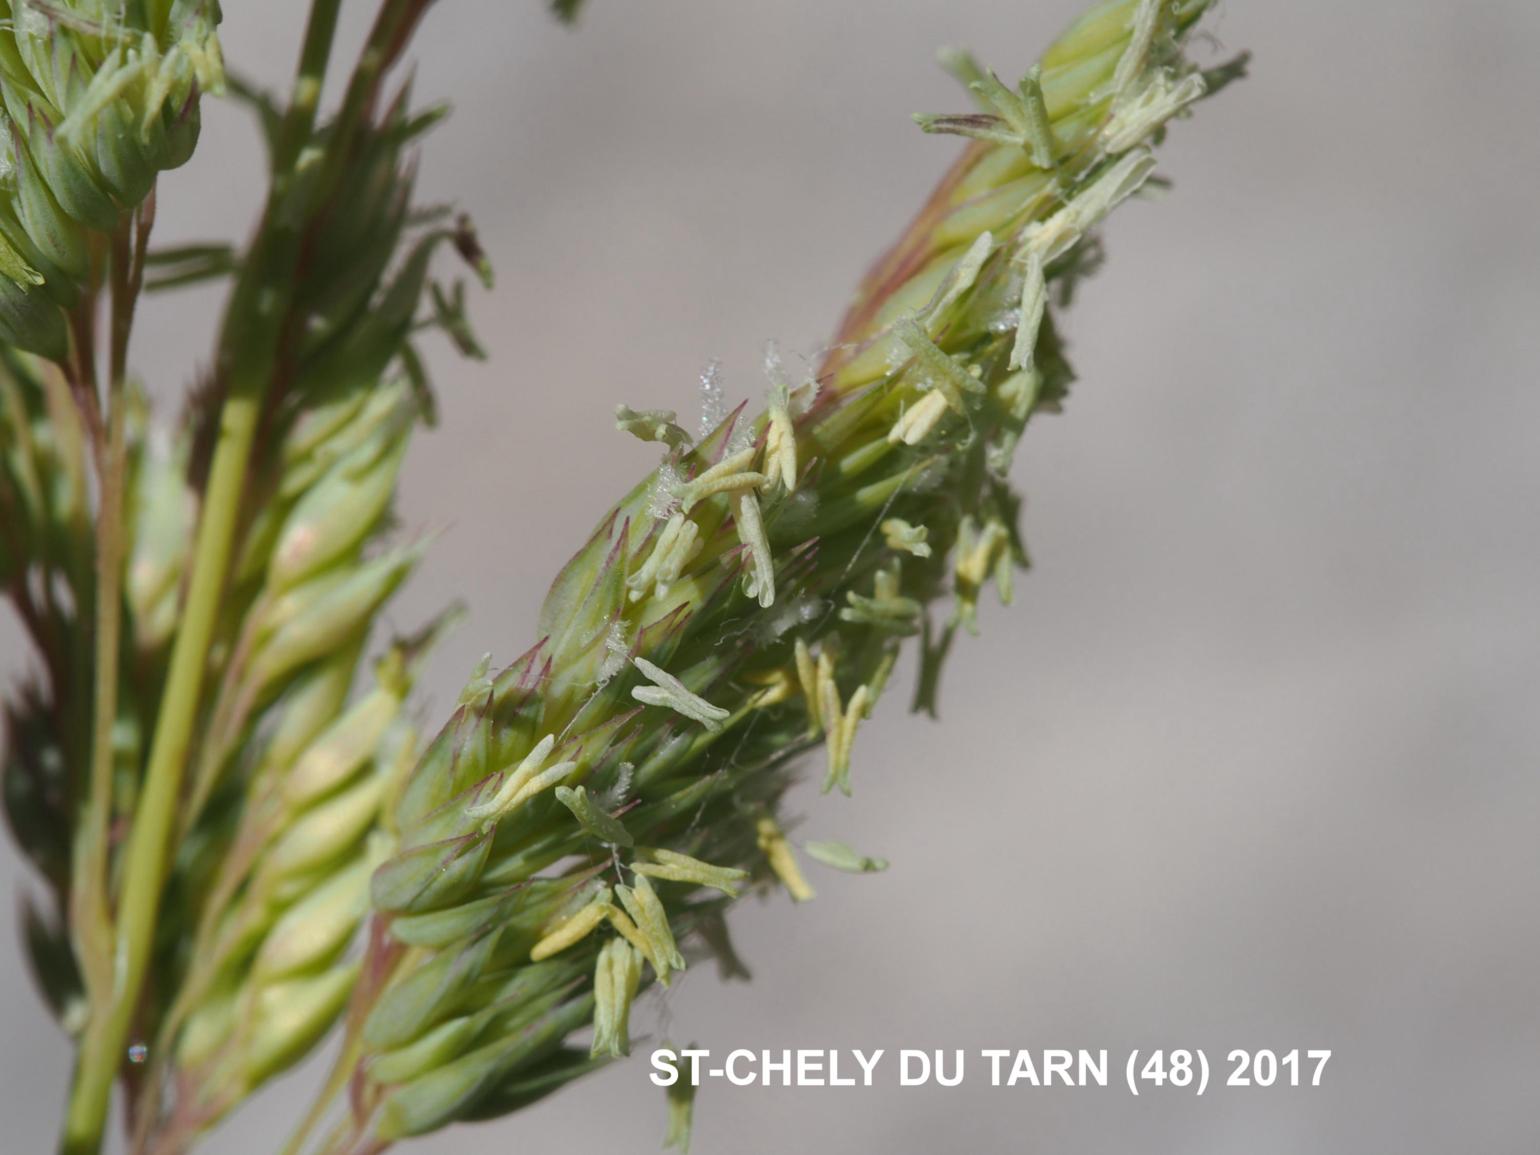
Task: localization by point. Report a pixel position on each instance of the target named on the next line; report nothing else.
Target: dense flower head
(577, 829)
(97, 97)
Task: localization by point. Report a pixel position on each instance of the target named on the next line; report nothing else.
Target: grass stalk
(90, 913)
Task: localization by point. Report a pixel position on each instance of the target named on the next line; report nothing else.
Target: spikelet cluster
(581, 822)
(576, 832)
(282, 815)
(97, 97)
(283, 819)
(273, 971)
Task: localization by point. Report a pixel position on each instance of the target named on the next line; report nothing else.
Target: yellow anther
(671, 866)
(916, 422)
(781, 443)
(529, 778)
(730, 475)
(807, 676)
(899, 535)
(751, 532)
(782, 860)
(574, 928)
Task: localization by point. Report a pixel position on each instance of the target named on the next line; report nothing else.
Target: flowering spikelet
(501, 930)
(96, 99)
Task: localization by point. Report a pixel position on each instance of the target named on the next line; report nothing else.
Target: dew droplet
(138, 1053)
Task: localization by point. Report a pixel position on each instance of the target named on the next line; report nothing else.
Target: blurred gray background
(1251, 762)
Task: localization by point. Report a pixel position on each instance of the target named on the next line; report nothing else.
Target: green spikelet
(284, 818)
(269, 973)
(96, 100)
(743, 603)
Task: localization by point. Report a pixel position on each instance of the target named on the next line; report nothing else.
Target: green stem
(90, 917)
(248, 354)
(80, 375)
(148, 850)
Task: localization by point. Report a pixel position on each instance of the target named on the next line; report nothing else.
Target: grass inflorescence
(218, 773)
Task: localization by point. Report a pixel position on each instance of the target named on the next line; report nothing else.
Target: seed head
(95, 102)
(763, 580)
